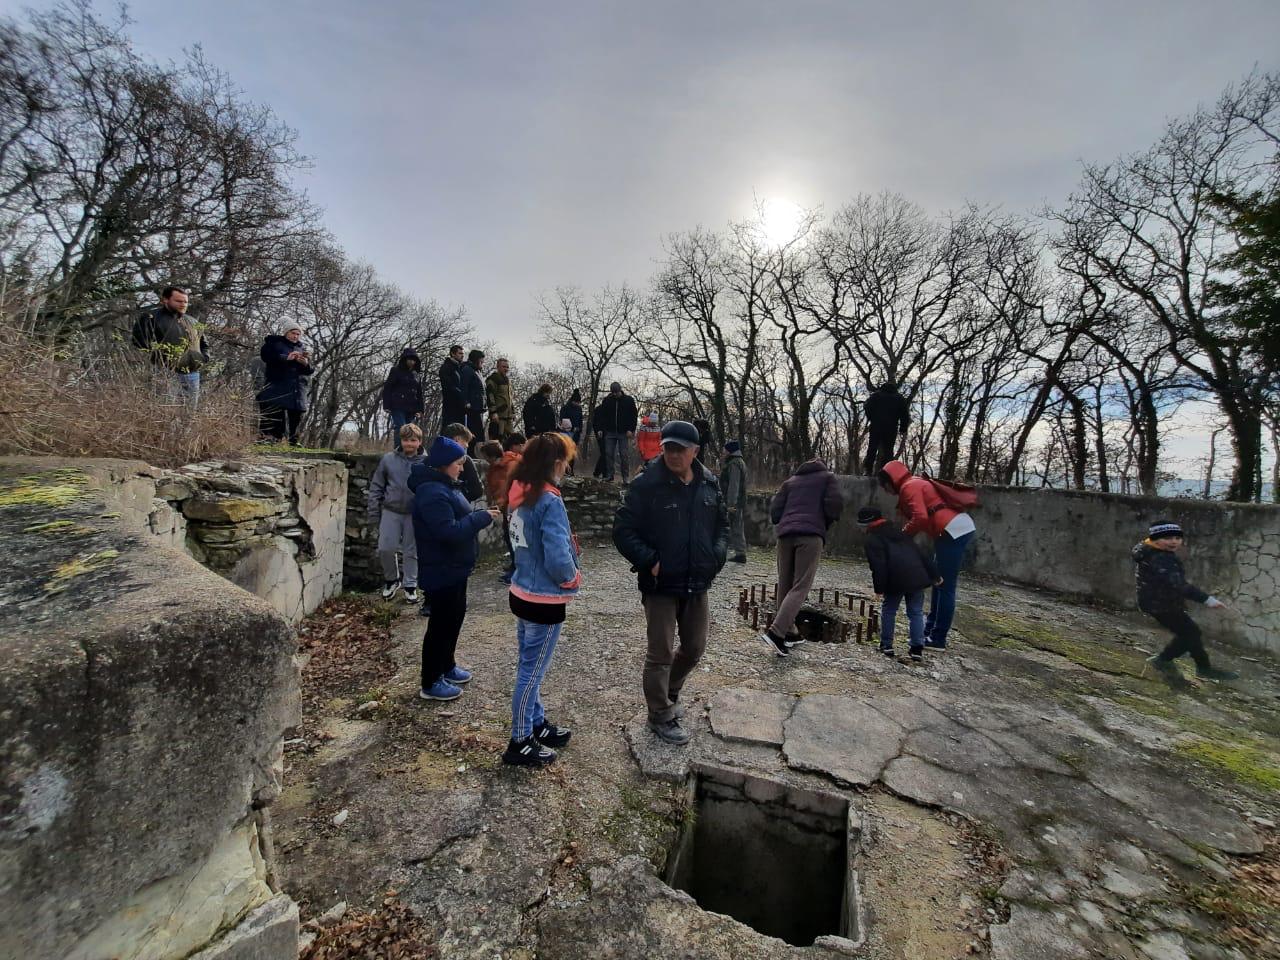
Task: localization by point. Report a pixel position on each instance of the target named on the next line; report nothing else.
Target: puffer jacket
(539, 415)
(498, 478)
(389, 485)
(286, 385)
(445, 529)
(648, 441)
(1161, 581)
(683, 527)
(897, 564)
(808, 502)
(403, 388)
(546, 555)
(918, 502)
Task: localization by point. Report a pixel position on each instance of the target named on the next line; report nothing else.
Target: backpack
(960, 497)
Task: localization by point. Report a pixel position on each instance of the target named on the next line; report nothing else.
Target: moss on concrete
(76, 567)
(1247, 763)
(58, 528)
(1006, 631)
(56, 488)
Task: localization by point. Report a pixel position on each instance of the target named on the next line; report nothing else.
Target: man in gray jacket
(391, 511)
(733, 481)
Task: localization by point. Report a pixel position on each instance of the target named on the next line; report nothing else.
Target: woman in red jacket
(951, 530)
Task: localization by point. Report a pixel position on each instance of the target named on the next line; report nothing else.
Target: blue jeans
(398, 419)
(189, 388)
(537, 643)
(915, 618)
(616, 446)
(948, 555)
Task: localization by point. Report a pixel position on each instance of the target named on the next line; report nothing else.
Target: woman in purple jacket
(805, 506)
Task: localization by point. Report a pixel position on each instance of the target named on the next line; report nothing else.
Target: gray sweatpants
(395, 535)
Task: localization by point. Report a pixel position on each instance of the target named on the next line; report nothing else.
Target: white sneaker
(411, 595)
(389, 589)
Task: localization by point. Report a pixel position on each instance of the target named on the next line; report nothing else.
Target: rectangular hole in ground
(772, 856)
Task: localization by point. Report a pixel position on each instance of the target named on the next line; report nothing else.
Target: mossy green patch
(56, 488)
(78, 567)
(284, 449)
(58, 528)
(1008, 632)
(1244, 761)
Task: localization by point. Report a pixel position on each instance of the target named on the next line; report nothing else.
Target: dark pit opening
(774, 857)
(818, 627)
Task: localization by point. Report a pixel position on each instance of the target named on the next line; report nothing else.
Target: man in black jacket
(173, 341)
(539, 414)
(616, 418)
(900, 571)
(473, 396)
(453, 408)
(673, 526)
(888, 414)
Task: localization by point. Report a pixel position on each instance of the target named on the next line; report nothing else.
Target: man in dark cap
(888, 414)
(673, 526)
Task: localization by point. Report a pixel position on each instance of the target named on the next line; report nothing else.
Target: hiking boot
(458, 675)
(738, 558)
(776, 644)
(411, 595)
(670, 731)
(389, 589)
(1213, 673)
(528, 753)
(549, 735)
(916, 654)
(442, 689)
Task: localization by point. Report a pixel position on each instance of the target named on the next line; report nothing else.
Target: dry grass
(112, 407)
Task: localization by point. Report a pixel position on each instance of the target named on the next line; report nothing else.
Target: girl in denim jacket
(546, 578)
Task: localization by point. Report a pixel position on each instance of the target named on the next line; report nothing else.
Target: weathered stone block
(231, 509)
(268, 933)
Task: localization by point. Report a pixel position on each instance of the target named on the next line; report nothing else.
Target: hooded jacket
(1161, 582)
(733, 481)
(648, 441)
(452, 406)
(545, 552)
(286, 385)
(808, 502)
(445, 528)
(498, 478)
(887, 411)
(897, 564)
(497, 394)
(918, 502)
(403, 389)
(539, 415)
(684, 527)
(572, 411)
(389, 485)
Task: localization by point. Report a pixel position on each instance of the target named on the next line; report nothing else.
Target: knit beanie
(444, 452)
(868, 515)
(1163, 529)
(732, 446)
(290, 325)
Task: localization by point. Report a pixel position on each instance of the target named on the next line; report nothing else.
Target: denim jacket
(545, 548)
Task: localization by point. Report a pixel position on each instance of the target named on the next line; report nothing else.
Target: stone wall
(1078, 543)
(142, 709)
(273, 526)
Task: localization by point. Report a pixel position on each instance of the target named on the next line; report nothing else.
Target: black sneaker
(1213, 673)
(1168, 671)
(549, 735)
(935, 645)
(916, 654)
(738, 558)
(670, 731)
(778, 646)
(794, 639)
(425, 609)
(888, 653)
(528, 753)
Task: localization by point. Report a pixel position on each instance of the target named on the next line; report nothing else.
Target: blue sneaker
(458, 675)
(442, 689)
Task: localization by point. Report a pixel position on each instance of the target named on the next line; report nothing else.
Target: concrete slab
(848, 740)
(752, 716)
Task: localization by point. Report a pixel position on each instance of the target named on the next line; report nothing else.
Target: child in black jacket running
(899, 569)
(1162, 592)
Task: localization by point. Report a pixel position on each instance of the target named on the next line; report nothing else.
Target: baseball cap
(681, 432)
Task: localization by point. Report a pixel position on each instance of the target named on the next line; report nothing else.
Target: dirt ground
(394, 804)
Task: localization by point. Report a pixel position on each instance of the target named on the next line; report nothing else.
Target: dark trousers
(274, 422)
(1186, 638)
(879, 451)
(666, 666)
(475, 423)
(448, 610)
(398, 419)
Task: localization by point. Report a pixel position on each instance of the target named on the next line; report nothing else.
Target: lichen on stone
(57, 488)
(77, 567)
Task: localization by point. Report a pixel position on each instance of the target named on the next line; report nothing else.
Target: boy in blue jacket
(446, 530)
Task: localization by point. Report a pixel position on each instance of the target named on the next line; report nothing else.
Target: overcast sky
(483, 152)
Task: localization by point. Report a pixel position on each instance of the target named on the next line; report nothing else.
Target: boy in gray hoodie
(391, 511)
